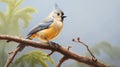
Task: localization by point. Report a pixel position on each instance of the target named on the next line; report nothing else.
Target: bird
(49, 28)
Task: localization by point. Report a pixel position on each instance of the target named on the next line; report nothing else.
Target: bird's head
(57, 13)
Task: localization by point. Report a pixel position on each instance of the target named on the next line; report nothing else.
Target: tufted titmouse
(49, 28)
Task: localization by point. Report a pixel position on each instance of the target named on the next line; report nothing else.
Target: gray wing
(41, 26)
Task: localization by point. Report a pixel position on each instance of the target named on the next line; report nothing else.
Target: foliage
(33, 58)
(9, 23)
(11, 18)
(107, 48)
(3, 56)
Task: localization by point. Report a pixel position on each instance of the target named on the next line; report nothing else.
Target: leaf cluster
(33, 58)
(107, 48)
(9, 20)
(9, 23)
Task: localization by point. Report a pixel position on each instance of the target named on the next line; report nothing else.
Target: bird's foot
(53, 44)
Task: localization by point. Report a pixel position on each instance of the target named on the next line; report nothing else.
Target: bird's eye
(58, 14)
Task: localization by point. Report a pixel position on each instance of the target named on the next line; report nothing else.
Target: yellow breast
(51, 32)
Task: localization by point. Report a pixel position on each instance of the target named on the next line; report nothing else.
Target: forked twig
(61, 61)
(13, 54)
(79, 41)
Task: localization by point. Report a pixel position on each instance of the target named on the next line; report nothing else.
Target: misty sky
(91, 20)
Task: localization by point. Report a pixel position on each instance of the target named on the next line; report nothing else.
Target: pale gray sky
(92, 20)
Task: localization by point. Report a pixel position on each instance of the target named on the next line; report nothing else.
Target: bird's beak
(64, 16)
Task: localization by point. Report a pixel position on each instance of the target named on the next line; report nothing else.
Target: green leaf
(26, 10)
(51, 60)
(9, 24)
(42, 63)
(105, 46)
(19, 2)
(33, 58)
(2, 17)
(31, 64)
(24, 15)
(108, 49)
(26, 18)
(22, 64)
(6, 1)
(3, 54)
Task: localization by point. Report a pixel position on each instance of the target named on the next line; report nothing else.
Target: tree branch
(64, 51)
(62, 60)
(79, 41)
(13, 54)
(50, 53)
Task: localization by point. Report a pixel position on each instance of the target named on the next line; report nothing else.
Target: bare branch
(64, 51)
(12, 57)
(50, 53)
(61, 61)
(79, 41)
(69, 47)
(13, 54)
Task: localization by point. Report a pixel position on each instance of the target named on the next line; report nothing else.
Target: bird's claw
(53, 44)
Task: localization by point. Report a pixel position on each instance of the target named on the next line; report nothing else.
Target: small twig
(69, 47)
(10, 52)
(94, 58)
(64, 58)
(79, 41)
(12, 57)
(61, 61)
(51, 53)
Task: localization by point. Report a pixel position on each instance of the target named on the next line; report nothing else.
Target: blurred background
(96, 22)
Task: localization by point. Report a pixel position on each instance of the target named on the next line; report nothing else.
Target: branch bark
(61, 61)
(64, 51)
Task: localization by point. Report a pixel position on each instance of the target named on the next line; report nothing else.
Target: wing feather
(41, 26)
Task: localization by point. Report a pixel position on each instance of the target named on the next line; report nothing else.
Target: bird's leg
(51, 42)
(55, 44)
(48, 42)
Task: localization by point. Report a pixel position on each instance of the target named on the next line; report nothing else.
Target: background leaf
(33, 58)
(9, 24)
